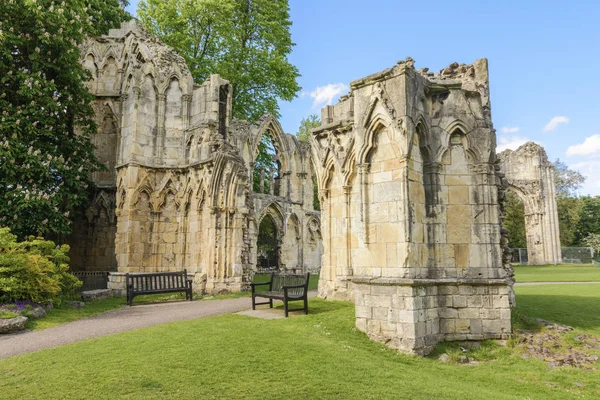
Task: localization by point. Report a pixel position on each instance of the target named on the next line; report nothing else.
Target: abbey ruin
(179, 190)
(410, 186)
(531, 177)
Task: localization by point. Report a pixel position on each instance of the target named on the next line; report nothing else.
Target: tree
(306, 126)
(46, 152)
(593, 240)
(247, 42)
(569, 214)
(589, 218)
(567, 181)
(514, 221)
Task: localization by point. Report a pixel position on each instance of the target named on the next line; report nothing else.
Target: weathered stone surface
(407, 165)
(13, 324)
(36, 312)
(178, 192)
(530, 175)
(75, 304)
(99, 294)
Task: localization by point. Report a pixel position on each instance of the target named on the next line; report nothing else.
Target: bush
(35, 270)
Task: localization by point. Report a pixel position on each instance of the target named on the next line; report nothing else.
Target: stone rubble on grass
(12, 324)
(98, 294)
(37, 312)
(444, 358)
(547, 346)
(75, 304)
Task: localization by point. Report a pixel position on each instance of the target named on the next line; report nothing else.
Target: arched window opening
(268, 244)
(514, 221)
(456, 137)
(267, 167)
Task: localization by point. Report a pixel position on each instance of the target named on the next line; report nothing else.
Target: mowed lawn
(319, 356)
(558, 273)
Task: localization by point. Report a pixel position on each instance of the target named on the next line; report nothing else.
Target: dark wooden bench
(285, 288)
(158, 282)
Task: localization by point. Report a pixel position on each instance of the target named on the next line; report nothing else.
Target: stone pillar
(271, 183)
(186, 101)
(262, 180)
(159, 139)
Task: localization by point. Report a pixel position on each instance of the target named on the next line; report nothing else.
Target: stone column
(363, 172)
(271, 183)
(159, 139)
(186, 101)
(262, 180)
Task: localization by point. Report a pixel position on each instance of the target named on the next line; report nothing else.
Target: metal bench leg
(305, 304)
(253, 302)
(285, 307)
(270, 303)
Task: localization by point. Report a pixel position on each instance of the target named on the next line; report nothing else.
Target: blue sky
(544, 60)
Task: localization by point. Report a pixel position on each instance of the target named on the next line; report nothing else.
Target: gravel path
(123, 319)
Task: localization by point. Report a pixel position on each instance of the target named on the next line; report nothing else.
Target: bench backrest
(279, 281)
(157, 281)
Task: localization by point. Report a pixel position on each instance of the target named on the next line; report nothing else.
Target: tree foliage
(566, 180)
(569, 214)
(266, 160)
(593, 240)
(46, 152)
(247, 42)
(306, 126)
(589, 218)
(514, 221)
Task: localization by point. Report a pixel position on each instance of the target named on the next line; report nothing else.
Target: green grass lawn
(558, 273)
(319, 356)
(574, 305)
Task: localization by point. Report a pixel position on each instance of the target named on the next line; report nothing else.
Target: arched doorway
(268, 244)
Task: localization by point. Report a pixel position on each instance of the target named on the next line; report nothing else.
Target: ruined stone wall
(531, 177)
(410, 191)
(178, 190)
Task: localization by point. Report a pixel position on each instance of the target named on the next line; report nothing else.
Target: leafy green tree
(569, 214)
(589, 221)
(247, 42)
(593, 240)
(46, 152)
(514, 221)
(567, 181)
(306, 126)
(265, 160)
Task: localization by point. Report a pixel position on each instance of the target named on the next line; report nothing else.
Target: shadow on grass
(315, 306)
(576, 311)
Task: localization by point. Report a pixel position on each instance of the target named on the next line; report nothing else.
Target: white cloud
(323, 95)
(511, 142)
(589, 147)
(509, 129)
(554, 122)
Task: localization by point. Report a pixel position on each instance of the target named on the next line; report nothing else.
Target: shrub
(35, 270)
(8, 314)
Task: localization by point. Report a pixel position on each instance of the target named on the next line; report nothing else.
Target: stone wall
(178, 190)
(531, 177)
(410, 188)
